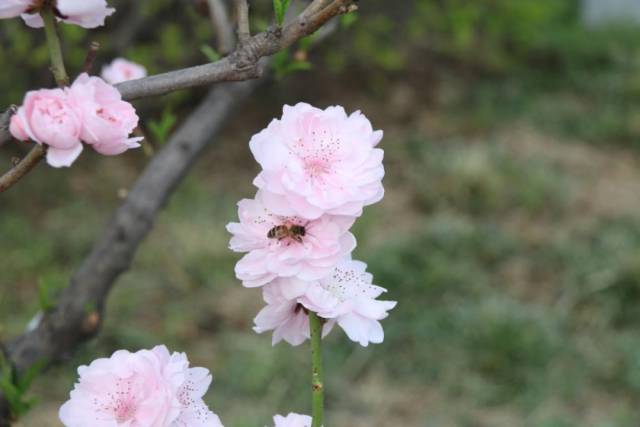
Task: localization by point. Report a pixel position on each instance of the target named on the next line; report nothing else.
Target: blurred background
(509, 233)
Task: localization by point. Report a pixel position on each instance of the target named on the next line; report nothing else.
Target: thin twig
(244, 30)
(23, 167)
(241, 65)
(222, 26)
(91, 57)
(55, 49)
(315, 7)
(5, 120)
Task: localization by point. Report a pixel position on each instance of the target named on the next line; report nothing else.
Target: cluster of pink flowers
(149, 388)
(319, 169)
(89, 111)
(85, 13)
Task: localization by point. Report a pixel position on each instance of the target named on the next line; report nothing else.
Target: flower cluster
(149, 388)
(85, 13)
(89, 111)
(319, 169)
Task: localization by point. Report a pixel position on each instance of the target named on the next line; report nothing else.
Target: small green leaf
(14, 391)
(44, 294)
(280, 8)
(348, 19)
(283, 64)
(24, 382)
(161, 128)
(211, 54)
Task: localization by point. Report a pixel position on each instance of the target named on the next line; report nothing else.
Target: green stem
(317, 387)
(55, 50)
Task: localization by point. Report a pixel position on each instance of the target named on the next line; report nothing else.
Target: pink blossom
(325, 242)
(121, 70)
(85, 13)
(346, 297)
(107, 119)
(284, 316)
(47, 117)
(14, 8)
(149, 388)
(292, 420)
(319, 162)
(349, 297)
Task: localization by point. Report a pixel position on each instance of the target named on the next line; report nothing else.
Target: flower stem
(317, 387)
(55, 50)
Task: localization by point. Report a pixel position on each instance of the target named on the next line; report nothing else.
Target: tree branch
(78, 313)
(5, 119)
(244, 28)
(23, 167)
(222, 26)
(241, 65)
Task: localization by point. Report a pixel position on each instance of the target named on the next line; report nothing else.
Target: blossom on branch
(149, 388)
(286, 246)
(107, 119)
(85, 13)
(122, 70)
(346, 297)
(317, 162)
(90, 110)
(283, 315)
(47, 117)
(292, 420)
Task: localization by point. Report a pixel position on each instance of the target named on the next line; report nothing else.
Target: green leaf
(348, 19)
(161, 128)
(283, 64)
(44, 294)
(24, 382)
(211, 54)
(14, 390)
(280, 8)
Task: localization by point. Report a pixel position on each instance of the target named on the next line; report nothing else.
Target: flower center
(315, 168)
(124, 411)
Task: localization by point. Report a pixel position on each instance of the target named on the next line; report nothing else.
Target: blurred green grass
(509, 233)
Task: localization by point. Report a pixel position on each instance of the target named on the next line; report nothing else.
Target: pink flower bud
(47, 117)
(107, 119)
(121, 70)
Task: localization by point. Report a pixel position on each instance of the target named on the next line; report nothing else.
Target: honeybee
(295, 232)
